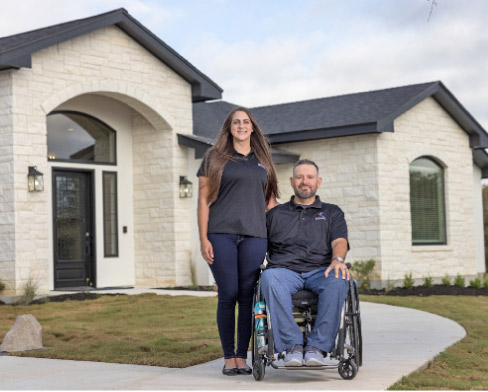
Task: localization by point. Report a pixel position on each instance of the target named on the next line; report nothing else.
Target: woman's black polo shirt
(240, 207)
(299, 237)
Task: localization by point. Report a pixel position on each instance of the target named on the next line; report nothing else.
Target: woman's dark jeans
(236, 268)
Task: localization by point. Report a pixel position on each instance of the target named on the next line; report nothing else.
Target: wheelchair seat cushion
(304, 298)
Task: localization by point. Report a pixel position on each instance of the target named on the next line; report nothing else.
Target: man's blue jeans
(279, 284)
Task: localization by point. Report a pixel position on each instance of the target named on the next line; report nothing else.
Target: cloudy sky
(271, 51)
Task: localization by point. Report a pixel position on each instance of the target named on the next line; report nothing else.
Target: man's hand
(337, 266)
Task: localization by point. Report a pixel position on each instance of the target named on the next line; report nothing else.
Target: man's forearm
(339, 248)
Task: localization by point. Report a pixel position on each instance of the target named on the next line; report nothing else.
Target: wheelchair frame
(348, 348)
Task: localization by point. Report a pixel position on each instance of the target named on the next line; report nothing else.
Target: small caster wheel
(348, 369)
(258, 370)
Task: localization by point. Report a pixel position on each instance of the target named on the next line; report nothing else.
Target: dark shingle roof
(344, 115)
(16, 50)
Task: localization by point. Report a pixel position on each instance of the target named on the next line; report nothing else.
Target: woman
(237, 183)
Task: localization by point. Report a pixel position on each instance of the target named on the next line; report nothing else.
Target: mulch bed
(422, 291)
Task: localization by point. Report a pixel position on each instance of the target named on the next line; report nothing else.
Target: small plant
(2, 286)
(446, 280)
(364, 271)
(459, 281)
(485, 283)
(29, 292)
(428, 281)
(408, 281)
(475, 283)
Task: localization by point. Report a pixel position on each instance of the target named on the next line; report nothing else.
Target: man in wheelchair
(307, 245)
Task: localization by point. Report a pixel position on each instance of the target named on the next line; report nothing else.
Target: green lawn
(146, 329)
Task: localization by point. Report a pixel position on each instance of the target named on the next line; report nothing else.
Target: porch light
(35, 180)
(186, 187)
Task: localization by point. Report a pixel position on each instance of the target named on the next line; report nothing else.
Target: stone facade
(105, 62)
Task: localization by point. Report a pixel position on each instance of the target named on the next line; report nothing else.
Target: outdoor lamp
(185, 187)
(35, 180)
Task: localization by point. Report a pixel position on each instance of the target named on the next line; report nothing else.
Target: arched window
(427, 205)
(73, 136)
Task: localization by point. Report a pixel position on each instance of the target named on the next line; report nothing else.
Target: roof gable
(16, 50)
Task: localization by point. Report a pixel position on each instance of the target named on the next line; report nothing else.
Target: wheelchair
(346, 356)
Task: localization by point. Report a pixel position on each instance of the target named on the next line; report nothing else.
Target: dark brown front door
(73, 229)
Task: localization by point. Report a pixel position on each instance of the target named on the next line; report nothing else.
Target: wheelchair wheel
(348, 369)
(258, 369)
(353, 326)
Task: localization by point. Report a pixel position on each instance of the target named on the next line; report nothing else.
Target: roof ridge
(87, 20)
(344, 95)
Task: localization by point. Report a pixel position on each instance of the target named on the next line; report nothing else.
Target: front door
(73, 229)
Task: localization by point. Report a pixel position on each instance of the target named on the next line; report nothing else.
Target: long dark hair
(217, 156)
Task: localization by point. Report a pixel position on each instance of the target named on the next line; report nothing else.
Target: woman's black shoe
(229, 372)
(244, 371)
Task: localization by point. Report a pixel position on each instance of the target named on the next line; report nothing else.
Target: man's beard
(305, 193)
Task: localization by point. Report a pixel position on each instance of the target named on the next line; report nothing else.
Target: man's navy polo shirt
(299, 237)
(240, 207)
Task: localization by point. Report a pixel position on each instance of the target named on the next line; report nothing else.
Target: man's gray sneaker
(313, 356)
(294, 355)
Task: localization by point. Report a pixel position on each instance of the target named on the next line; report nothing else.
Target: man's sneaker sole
(314, 362)
(293, 363)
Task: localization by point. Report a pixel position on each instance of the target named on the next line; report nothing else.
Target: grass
(463, 366)
(145, 329)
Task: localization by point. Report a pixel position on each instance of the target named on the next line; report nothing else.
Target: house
(101, 122)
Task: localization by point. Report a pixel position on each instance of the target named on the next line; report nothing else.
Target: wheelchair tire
(348, 369)
(258, 370)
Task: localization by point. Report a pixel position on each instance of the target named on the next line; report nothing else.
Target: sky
(264, 52)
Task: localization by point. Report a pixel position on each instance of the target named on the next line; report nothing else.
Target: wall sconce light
(186, 187)
(35, 180)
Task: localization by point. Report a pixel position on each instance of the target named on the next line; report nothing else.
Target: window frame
(105, 253)
(442, 199)
(114, 163)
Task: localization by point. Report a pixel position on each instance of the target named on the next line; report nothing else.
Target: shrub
(364, 271)
(408, 281)
(2, 286)
(29, 292)
(459, 281)
(446, 280)
(485, 283)
(428, 281)
(475, 283)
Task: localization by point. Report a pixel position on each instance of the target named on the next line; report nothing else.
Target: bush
(428, 281)
(29, 292)
(475, 283)
(2, 286)
(460, 281)
(364, 271)
(408, 282)
(485, 283)
(446, 280)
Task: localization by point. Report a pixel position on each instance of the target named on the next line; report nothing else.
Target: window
(110, 224)
(427, 202)
(73, 136)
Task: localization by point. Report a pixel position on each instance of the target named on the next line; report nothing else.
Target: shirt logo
(260, 164)
(320, 216)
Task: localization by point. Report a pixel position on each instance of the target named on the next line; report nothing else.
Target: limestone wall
(426, 130)
(105, 62)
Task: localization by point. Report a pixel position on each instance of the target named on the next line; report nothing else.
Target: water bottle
(261, 326)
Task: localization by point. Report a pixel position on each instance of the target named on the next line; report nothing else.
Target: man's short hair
(305, 162)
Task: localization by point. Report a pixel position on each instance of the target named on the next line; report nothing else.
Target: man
(307, 245)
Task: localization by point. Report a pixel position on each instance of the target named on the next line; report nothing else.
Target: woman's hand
(207, 251)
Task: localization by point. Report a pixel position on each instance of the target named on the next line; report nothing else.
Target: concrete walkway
(396, 342)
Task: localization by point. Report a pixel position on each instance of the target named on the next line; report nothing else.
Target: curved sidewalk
(396, 342)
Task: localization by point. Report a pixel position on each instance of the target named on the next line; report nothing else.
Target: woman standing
(237, 184)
